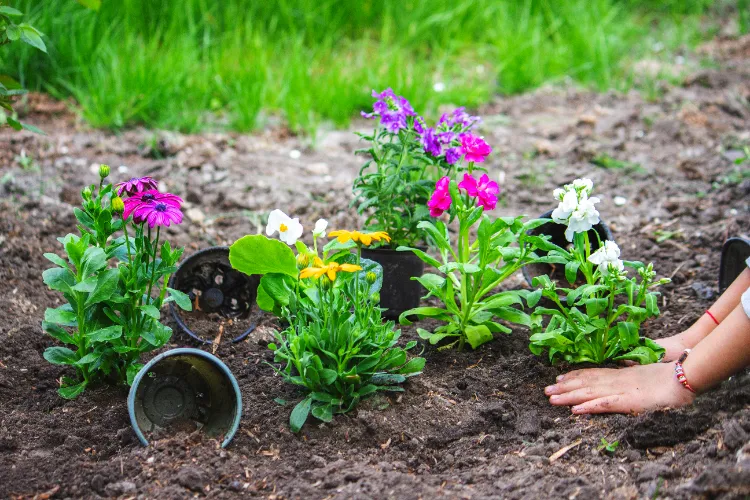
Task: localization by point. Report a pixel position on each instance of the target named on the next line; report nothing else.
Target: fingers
(578, 379)
(615, 403)
(582, 395)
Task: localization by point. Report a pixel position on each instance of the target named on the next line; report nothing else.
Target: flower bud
(375, 297)
(118, 206)
(86, 193)
(303, 260)
(103, 171)
(325, 282)
(371, 277)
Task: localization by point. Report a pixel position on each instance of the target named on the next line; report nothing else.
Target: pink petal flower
(475, 149)
(441, 198)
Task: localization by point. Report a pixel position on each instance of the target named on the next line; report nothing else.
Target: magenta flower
(441, 198)
(158, 213)
(150, 197)
(475, 149)
(135, 185)
(485, 191)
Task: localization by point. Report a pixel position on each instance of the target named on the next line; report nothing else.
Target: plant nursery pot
(188, 389)
(214, 286)
(557, 232)
(734, 255)
(399, 293)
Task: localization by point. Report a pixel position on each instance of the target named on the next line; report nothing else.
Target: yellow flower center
(283, 228)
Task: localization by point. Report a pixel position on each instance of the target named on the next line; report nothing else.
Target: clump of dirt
(476, 423)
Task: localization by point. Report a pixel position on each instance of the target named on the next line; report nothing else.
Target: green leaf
(652, 304)
(72, 391)
(91, 4)
(279, 287)
(86, 286)
(13, 32)
(512, 315)
(151, 311)
(594, 307)
(56, 259)
(31, 36)
(387, 378)
(299, 414)
(158, 336)
(181, 299)
(642, 354)
(61, 316)
(427, 259)
(105, 287)
(323, 412)
(257, 254)
(477, 335)
(413, 367)
(58, 333)
(133, 371)
(94, 259)
(571, 271)
(10, 11)
(105, 334)
(60, 356)
(628, 333)
(422, 312)
(265, 302)
(91, 357)
(32, 128)
(58, 278)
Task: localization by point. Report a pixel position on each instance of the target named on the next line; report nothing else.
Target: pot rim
(195, 352)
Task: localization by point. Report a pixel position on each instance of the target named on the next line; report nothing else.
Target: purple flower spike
(392, 110)
(135, 185)
(453, 155)
(431, 143)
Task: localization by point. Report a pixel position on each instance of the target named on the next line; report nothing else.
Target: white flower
(607, 258)
(289, 229)
(558, 194)
(568, 204)
(320, 227)
(585, 184)
(583, 218)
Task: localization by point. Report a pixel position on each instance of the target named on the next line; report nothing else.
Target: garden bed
(476, 423)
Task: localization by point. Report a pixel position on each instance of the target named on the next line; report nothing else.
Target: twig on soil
(47, 494)
(562, 451)
(217, 340)
(475, 364)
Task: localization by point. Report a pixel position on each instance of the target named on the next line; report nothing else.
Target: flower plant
(335, 344)
(599, 319)
(484, 253)
(112, 316)
(406, 158)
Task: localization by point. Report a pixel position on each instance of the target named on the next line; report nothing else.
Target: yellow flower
(358, 237)
(329, 269)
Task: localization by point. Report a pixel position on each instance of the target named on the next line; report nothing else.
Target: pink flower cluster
(484, 190)
(147, 205)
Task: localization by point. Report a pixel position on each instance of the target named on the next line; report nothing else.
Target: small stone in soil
(734, 435)
(703, 291)
(120, 488)
(191, 478)
(653, 470)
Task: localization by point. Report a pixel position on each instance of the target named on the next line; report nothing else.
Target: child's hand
(628, 390)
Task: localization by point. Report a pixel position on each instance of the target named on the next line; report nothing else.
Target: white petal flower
(289, 229)
(558, 194)
(583, 218)
(567, 206)
(320, 227)
(586, 184)
(607, 257)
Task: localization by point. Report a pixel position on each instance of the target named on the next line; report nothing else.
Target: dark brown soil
(476, 424)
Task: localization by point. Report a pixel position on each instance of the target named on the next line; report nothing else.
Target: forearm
(727, 352)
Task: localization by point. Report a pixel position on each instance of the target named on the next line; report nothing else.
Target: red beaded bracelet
(680, 372)
(712, 316)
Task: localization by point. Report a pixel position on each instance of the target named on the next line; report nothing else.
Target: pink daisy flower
(135, 185)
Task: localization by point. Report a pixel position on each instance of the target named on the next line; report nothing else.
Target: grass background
(192, 65)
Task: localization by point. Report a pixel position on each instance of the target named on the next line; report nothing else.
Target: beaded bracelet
(712, 316)
(680, 373)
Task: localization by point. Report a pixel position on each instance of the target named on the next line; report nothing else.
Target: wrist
(682, 395)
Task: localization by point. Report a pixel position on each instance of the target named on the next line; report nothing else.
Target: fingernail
(550, 389)
(554, 398)
(575, 409)
(560, 377)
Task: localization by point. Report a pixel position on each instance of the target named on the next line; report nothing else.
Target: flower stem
(153, 267)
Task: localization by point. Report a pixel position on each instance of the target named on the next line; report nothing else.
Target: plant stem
(153, 267)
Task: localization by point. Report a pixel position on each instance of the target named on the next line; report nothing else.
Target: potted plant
(406, 157)
(334, 344)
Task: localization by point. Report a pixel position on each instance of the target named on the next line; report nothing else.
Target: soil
(476, 424)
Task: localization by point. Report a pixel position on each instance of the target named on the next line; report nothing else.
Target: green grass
(232, 64)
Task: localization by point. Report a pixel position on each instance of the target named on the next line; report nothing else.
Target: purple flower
(431, 143)
(452, 155)
(419, 126)
(392, 121)
(459, 118)
(135, 185)
(446, 137)
(148, 198)
(158, 214)
(392, 110)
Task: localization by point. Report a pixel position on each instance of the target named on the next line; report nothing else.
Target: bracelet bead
(680, 372)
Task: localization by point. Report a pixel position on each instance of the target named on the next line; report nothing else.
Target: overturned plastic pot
(214, 286)
(399, 293)
(734, 255)
(186, 389)
(600, 232)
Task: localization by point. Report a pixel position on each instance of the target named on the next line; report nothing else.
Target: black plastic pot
(187, 389)
(557, 233)
(734, 255)
(400, 293)
(208, 279)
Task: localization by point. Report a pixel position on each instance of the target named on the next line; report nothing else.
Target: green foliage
(336, 345)
(471, 270)
(110, 317)
(609, 447)
(12, 31)
(588, 323)
(192, 64)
